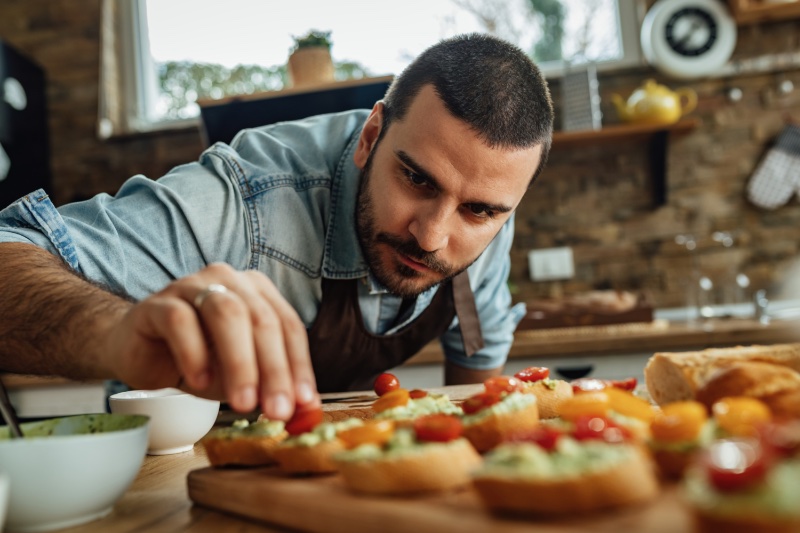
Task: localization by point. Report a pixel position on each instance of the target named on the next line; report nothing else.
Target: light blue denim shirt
(279, 199)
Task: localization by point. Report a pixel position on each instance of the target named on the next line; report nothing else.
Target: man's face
(432, 194)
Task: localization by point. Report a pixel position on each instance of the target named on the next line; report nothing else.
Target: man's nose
(430, 227)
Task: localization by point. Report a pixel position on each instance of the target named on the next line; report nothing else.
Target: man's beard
(401, 280)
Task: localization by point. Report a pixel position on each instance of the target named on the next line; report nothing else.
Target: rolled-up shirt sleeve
(498, 318)
(148, 234)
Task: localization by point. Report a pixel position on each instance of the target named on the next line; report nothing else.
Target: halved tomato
(586, 403)
(386, 383)
(395, 398)
(625, 403)
(782, 436)
(594, 384)
(480, 401)
(545, 436)
(437, 428)
(376, 432)
(590, 427)
(416, 394)
(304, 420)
(741, 415)
(501, 384)
(533, 373)
(736, 464)
(679, 422)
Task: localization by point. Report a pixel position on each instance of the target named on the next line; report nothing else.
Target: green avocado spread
(243, 428)
(516, 401)
(427, 405)
(324, 432)
(778, 496)
(402, 443)
(570, 458)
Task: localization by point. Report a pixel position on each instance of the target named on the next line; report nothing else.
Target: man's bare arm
(245, 343)
(53, 322)
(458, 375)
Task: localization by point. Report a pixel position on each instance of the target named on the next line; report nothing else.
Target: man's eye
(414, 178)
(481, 211)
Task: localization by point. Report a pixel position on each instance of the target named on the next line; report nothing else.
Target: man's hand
(245, 344)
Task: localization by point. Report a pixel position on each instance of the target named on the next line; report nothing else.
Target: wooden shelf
(620, 132)
(656, 135)
(751, 11)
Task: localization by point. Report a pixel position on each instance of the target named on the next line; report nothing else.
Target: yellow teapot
(655, 104)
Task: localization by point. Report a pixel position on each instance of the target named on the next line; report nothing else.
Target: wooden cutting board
(324, 505)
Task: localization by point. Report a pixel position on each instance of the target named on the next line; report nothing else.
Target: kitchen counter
(658, 336)
(158, 502)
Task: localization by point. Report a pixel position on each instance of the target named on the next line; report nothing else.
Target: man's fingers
(227, 321)
(259, 343)
(299, 373)
(175, 322)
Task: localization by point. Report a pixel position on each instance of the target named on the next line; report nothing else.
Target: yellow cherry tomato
(626, 404)
(740, 415)
(679, 422)
(372, 432)
(584, 403)
(395, 398)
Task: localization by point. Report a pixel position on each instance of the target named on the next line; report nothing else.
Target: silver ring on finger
(205, 293)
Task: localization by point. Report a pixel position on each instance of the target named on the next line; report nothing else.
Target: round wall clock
(688, 38)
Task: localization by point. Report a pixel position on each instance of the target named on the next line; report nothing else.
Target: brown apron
(348, 357)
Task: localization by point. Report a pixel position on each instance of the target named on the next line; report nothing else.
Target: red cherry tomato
(594, 384)
(783, 437)
(545, 436)
(480, 401)
(588, 427)
(736, 464)
(416, 394)
(500, 384)
(533, 373)
(437, 428)
(386, 383)
(624, 384)
(304, 420)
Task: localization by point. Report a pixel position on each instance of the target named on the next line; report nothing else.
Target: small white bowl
(70, 470)
(177, 419)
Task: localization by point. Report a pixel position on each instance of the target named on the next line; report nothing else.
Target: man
(318, 252)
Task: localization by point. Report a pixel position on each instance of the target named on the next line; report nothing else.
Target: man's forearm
(52, 322)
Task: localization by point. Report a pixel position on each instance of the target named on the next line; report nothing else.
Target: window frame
(137, 84)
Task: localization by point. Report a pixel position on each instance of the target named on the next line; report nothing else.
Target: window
(181, 51)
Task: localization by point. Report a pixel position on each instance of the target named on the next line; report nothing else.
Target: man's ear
(369, 135)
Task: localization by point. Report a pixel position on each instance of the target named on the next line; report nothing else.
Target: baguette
(775, 385)
(312, 452)
(426, 467)
(549, 393)
(308, 459)
(244, 444)
(627, 481)
(490, 427)
(677, 376)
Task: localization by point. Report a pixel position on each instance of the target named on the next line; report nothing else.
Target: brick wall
(596, 199)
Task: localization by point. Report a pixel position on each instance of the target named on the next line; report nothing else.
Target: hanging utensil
(10, 416)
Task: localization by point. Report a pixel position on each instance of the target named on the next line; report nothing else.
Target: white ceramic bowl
(177, 419)
(70, 470)
(3, 499)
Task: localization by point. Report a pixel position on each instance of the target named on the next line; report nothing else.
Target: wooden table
(158, 502)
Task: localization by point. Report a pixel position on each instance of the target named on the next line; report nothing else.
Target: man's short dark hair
(488, 83)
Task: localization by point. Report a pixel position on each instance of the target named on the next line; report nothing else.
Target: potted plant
(310, 60)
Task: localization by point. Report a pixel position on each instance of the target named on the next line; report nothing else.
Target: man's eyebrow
(427, 176)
